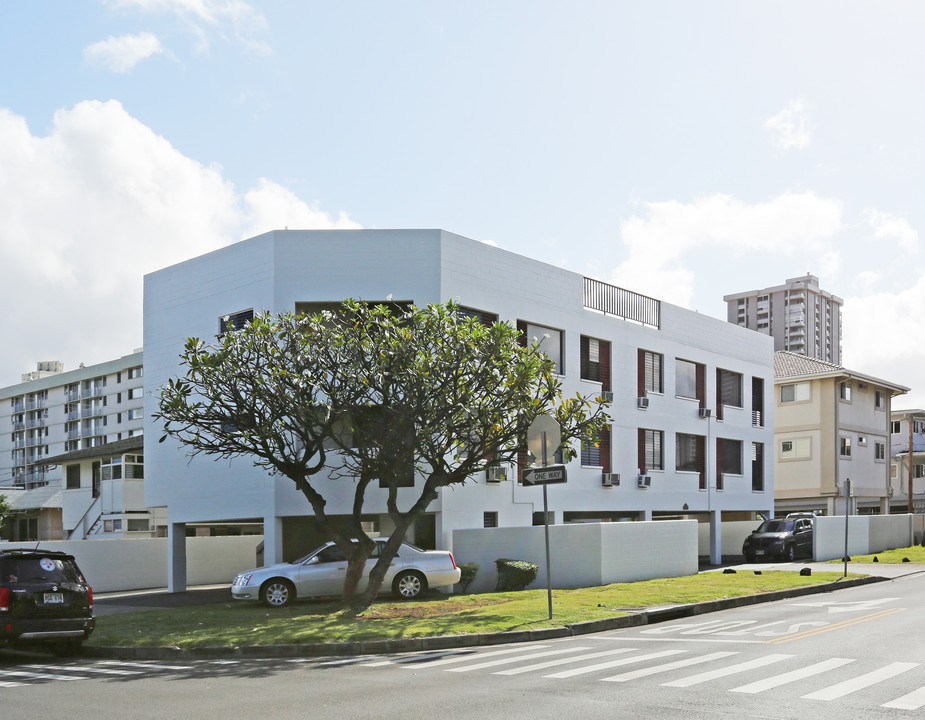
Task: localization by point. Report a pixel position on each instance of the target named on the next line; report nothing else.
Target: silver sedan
(322, 572)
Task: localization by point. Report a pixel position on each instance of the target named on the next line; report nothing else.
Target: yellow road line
(834, 626)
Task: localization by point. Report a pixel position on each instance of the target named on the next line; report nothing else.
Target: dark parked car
(781, 539)
(44, 598)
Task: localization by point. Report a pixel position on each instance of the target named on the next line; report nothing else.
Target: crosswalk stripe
(11, 684)
(654, 670)
(90, 669)
(726, 671)
(911, 701)
(418, 658)
(144, 665)
(473, 656)
(614, 663)
(792, 676)
(38, 676)
(860, 682)
(564, 661)
(519, 658)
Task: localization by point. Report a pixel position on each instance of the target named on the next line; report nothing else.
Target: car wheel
(409, 585)
(277, 593)
(789, 553)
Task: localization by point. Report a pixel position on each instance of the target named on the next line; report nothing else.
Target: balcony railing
(625, 304)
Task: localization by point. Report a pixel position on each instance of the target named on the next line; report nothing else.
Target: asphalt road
(853, 653)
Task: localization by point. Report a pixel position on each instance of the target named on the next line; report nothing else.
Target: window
(138, 525)
(649, 373)
(757, 467)
(135, 414)
(596, 453)
(918, 471)
(794, 392)
(651, 456)
(862, 440)
(688, 377)
(917, 426)
(729, 458)
(490, 519)
(137, 372)
(112, 525)
(879, 399)
(728, 388)
(844, 391)
(895, 427)
(485, 318)
(73, 477)
(796, 449)
(689, 456)
(136, 393)
(879, 451)
(548, 339)
(595, 361)
(844, 449)
(235, 321)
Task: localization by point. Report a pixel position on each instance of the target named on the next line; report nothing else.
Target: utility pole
(910, 468)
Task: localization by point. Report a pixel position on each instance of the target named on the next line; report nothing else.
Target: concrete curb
(445, 642)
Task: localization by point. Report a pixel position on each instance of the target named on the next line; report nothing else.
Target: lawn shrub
(514, 575)
(469, 571)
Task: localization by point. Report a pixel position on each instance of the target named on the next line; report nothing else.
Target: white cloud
(231, 19)
(891, 227)
(121, 54)
(789, 127)
(659, 243)
(93, 206)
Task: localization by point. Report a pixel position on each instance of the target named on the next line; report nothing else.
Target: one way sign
(547, 475)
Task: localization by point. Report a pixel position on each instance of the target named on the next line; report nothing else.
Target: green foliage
(469, 571)
(5, 512)
(514, 575)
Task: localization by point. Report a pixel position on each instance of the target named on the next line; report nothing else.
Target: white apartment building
(907, 430)
(801, 317)
(692, 395)
(831, 425)
(54, 413)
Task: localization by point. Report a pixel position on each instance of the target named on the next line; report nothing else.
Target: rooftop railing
(626, 304)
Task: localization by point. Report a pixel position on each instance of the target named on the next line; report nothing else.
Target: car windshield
(775, 526)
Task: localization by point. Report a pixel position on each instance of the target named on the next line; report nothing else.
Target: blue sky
(686, 150)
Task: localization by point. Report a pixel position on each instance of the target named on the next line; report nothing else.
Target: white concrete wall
(734, 534)
(137, 564)
(583, 555)
(829, 536)
(890, 531)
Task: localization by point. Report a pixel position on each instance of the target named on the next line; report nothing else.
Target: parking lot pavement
(130, 601)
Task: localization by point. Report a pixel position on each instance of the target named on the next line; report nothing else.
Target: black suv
(44, 598)
(783, 539)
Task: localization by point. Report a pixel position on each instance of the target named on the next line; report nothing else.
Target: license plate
(54, 598)
(759, 552)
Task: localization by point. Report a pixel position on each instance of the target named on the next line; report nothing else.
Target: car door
(804, 537)
(323, 573)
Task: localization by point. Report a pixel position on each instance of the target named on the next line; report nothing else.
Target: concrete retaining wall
(141, 563)
(584, 555)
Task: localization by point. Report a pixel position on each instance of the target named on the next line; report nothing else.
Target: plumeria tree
(413, 399)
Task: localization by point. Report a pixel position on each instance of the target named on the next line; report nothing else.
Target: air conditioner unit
(495, 474)
(644, 481)
(607, 396)
(704, 412)
(642, 403)
(610, 479)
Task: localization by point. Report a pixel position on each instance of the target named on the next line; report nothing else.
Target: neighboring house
(907, 430)
(103, 494)
(801, 317)
(36, 513)
(692, 395)
(53, 412)
(831, 425)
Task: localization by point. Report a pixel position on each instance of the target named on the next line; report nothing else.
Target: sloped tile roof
(788, 364)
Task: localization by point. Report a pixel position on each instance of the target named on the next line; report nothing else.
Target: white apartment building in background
(802, 318)
(907, 430)
(53, 414)
(692, 411)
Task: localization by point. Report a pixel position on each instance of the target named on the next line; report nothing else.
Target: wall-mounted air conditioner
(495, 474)
(610, 479)
(704, 412)
(644, 481)
(607, 395)
(642, 403)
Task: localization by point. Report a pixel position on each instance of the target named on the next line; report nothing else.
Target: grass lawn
(916, 554)
(249, 623)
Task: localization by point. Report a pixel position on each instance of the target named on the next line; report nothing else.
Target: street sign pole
(847, 505)
(546, 531)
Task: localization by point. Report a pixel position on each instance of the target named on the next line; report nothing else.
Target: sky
(686, 150)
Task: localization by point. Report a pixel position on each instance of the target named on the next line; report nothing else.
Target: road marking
(792, 676)
(860, 682)
(687, 662)
(563, 661)
(912, 701)
(144, 665)
(519, 658)
(835, 626)
(90, 668)
(39, 676)
(845, 606)
(726, 671)
(614, 663)
(419, 658)
(473, 656)
(11, 684)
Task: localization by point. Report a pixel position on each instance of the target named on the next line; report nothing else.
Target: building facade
(53, 412)
(831, 425)
(692, 395)
(907, 430)
(802, 318)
